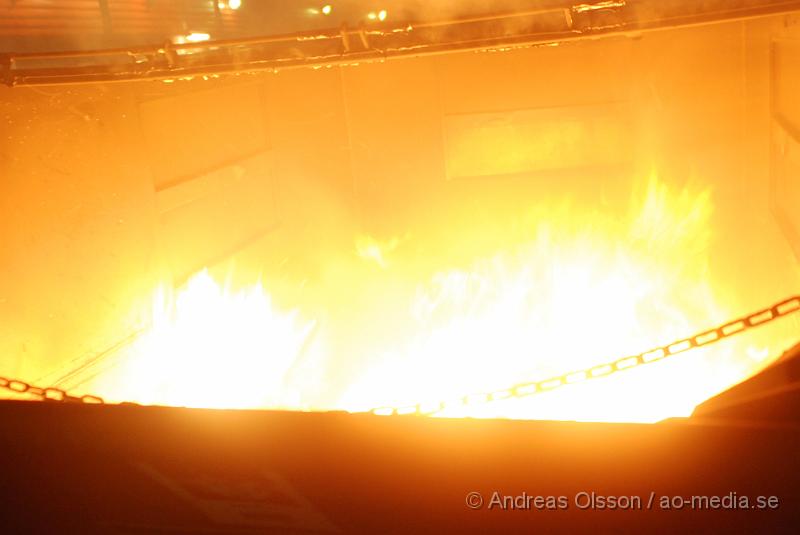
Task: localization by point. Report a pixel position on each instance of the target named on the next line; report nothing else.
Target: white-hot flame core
(583, 289)
(208, 347)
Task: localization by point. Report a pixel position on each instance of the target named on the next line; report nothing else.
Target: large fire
(581, 289)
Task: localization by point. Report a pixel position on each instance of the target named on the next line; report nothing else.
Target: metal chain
(762, 317)
(46, 394)
(756, 319)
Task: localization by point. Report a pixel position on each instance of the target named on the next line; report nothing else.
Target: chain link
(731, 328)
(762, 317)
(46, 394)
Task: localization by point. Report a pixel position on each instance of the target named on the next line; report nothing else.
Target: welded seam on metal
(14, 76)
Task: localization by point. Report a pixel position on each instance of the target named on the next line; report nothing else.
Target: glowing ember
(582, 289)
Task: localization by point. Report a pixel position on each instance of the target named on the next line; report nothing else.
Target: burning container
(527, 210)
(398, 207)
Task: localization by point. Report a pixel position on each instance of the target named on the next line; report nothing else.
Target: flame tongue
(584, 288)
(209, 347)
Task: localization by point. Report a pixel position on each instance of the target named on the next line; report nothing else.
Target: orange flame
(210, 347)
(582, 290)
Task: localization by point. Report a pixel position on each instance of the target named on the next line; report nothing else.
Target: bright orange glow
(583, 289)
(196, 37)
(208, 347)
(370, 249)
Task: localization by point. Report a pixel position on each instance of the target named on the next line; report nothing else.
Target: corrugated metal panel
(48, 25)
(32, 17)
(165, 17)
(31, 25)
